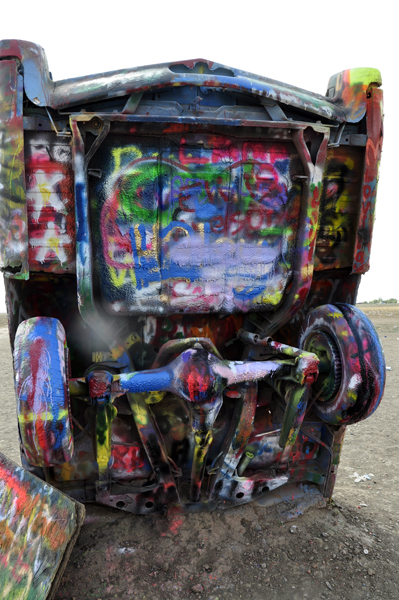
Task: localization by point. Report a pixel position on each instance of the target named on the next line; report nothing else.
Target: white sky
(300, 43)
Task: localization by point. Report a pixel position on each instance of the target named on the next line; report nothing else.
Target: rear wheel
(41, 381)
(352, 366)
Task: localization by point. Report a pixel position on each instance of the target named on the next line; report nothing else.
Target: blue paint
(81, 221)
(146, 268)
(282, 166)
(267, 448)
(45, 385)
(206, 210)
(172, 270)
(249, 292)
(146, 381)
(172, 225)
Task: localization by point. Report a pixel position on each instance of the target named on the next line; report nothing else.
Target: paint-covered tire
(352, 363)
(41, 385)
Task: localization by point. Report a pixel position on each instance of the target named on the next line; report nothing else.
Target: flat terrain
(348, 550)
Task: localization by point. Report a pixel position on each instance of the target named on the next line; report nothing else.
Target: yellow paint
(140, 410)
(66, 472)
(271, 298)
(335, 315)
(63, 414)
(201, 227)
(171, 232)
(15, 174)
(352, 395)
(118, 279)
(365, 76)
(133, 338)
(154, 397)
(152, 252)
(103, 451)
(31, 417)
(117, 154)
(116, 352)
(53, 243)
(45, 192)
(103, 455)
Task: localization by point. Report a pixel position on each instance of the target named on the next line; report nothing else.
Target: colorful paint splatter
(172, 219)
(42, 392)
(50, 201)
(196, 229)
(13, 212)
(37, 525)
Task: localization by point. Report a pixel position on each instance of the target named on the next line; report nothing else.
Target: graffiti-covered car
(182, 246)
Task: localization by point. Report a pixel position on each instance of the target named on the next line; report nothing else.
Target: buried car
(182, 246)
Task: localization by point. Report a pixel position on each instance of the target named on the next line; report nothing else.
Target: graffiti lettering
(184, 229)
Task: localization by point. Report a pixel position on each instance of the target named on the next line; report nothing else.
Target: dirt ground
(347, 550)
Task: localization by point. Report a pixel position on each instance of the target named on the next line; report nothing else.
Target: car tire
(41, 384)
(352, 365)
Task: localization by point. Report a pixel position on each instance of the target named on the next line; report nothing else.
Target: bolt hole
(39, 124)
(120, 504)
(265, 489)
(149, 504)
(240, 495)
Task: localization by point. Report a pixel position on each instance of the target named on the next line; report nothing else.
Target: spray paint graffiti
(220, 330)
(347, 395)
(349, 89)
(211, 209)
(37, 524)
(50, 201)
(338, 208)
(328, 287)
(41, 386)
(364, 233)
(196, 229)
(13, 217)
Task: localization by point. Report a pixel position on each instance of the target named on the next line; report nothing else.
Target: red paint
(197, 384)
(23, 501)
(50, 201)
(99, 384)
(127, 458)
(372, 159)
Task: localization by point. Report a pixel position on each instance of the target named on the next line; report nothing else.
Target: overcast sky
(300, 43)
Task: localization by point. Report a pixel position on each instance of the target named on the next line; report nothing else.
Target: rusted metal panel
(13, 213)
(38, 529)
